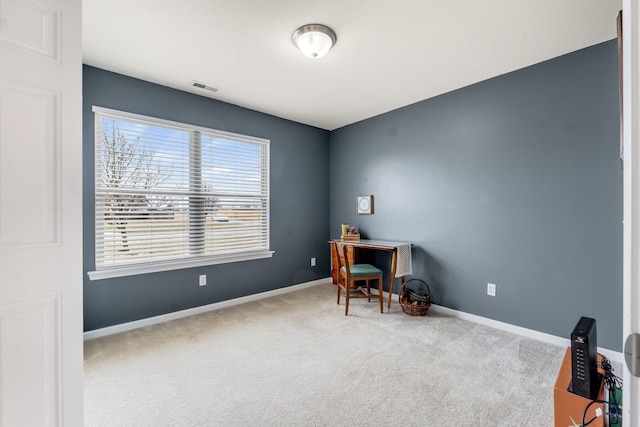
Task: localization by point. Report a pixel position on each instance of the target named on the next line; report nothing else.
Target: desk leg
(394, 264)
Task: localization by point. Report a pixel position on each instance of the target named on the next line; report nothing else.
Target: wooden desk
(380, 245)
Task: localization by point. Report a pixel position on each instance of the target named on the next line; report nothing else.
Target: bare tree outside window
(127, 168)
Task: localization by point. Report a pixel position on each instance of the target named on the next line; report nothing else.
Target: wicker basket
(413, 301)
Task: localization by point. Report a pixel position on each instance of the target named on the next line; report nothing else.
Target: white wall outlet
(313, 262)
(491, 289)
(203, 279)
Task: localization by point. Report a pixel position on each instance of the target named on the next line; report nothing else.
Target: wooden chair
(348, 275)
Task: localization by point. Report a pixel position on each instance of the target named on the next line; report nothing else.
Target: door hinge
(632, 354)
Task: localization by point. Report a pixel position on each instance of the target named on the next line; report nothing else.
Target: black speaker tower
(584, 360)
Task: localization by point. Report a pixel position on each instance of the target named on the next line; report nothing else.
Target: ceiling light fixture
(314, 40)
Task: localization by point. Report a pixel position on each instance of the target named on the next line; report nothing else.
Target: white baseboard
(110, 330)
(612, 355)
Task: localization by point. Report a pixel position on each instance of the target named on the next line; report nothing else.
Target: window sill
(175, 265)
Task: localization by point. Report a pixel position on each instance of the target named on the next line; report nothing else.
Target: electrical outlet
(203, 279)
(491, 289)
(313, 262)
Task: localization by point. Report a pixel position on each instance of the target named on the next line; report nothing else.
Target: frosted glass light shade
(314, 40)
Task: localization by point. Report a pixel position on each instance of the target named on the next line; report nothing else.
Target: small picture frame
(364, 205)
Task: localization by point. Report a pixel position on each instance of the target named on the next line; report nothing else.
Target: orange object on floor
(568, 406)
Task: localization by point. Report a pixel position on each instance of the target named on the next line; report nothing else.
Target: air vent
(203, 86)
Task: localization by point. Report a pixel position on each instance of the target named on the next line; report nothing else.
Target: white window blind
(169, 193)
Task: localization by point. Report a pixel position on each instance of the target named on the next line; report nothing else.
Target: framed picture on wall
(364, 205)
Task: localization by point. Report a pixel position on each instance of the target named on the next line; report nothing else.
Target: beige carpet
(296, 360)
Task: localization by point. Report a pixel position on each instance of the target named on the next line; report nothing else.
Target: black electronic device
(585, 380)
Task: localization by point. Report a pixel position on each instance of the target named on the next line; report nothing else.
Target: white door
(40, 213)
(631, 131)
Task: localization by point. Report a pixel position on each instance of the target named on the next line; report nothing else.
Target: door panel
(39, 381)
(41, 367)
(29, 212)
(31, 26)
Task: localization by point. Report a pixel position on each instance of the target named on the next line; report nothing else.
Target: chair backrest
(342, 258)
(347, 269)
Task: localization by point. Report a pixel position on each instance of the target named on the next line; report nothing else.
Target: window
(170, 195)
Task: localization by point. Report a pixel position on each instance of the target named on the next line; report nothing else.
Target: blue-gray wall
(515, 181)
(299, 205)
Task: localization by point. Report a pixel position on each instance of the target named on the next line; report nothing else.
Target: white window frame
(104, 272)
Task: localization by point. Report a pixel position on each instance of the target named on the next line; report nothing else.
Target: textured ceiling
(390, 53)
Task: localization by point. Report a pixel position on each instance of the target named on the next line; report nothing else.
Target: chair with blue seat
(349, 275)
